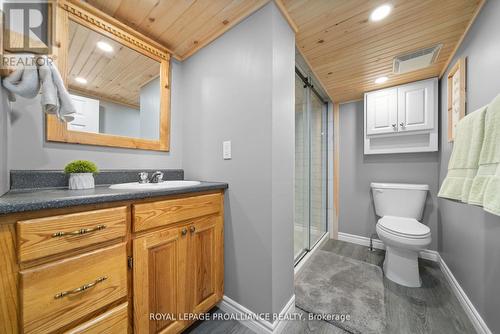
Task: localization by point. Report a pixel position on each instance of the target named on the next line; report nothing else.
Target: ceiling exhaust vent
(416, 60)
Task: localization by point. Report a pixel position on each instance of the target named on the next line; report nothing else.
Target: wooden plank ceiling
(183, 26)
(116, 76)
(347, 51)
(344, 48)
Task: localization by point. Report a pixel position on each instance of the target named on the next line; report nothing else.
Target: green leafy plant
(81, 166)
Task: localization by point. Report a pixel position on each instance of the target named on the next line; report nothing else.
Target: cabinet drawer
(56, 294)
(155, 214)
(114, 321)
(42, 237)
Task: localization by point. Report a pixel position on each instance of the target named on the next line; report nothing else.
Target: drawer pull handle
(79, 232)
(80, 289)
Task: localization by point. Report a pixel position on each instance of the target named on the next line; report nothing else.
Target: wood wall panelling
(458, 69)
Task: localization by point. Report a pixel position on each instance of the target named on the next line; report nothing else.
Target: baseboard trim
(470, 310)
(464, 300)
(364, 241)
(256, 323)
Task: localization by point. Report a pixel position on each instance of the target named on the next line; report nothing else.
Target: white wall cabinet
(87, 114)
(402, 119)
(416, 106)
(383, 115)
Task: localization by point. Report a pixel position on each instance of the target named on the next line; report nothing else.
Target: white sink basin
(154, 186)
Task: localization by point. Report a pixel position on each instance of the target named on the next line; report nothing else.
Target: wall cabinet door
(381, 112)
(416, 106)
(87, 114)
(206, 257)
(160, 280)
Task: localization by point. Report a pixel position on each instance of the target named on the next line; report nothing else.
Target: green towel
(485, 189)
(464, 161)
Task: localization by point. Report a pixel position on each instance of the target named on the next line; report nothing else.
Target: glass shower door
(318, 169)
(310, 167)
(301, 205)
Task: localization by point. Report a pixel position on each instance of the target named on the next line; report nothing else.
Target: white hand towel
(55, 99)
(464, 161)
(486, 186)
(66, 110)
(49, 99)
(23, 82)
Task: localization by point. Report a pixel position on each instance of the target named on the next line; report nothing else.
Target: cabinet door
(381, 112)
(416, 106)
(160, 280)
(86, 116)
(206, 256)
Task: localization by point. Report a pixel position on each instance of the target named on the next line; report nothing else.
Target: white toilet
(401, 207)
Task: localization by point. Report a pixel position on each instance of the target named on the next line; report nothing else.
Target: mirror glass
(115, 89)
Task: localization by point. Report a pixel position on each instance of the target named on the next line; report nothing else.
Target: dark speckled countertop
(40, 199)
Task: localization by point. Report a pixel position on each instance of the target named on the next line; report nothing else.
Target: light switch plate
(226, 150)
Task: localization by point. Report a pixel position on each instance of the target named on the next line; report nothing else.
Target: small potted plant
(81, 174)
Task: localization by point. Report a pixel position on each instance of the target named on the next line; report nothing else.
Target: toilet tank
(400, 200)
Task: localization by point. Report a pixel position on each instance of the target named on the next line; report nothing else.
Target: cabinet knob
(402, 124)
(184, 231)
(394, 125)
(192, 229)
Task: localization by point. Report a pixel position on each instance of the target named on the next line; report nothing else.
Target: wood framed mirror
(118, 79)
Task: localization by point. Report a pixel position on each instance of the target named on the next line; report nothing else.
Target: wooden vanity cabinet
(66, 270)
(160, 281)
(178, 270)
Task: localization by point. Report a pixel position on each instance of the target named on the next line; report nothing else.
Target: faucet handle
(143, 177)
(159, 177)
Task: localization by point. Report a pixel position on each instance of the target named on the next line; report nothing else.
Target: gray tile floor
(433, 308)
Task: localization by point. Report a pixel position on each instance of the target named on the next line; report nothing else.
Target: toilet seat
(404, 227)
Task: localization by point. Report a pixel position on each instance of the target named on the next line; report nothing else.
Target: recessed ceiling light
(106, 47)
(381, 80)
(380, 12)
(81, 80)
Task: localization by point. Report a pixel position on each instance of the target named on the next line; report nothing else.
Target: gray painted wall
(150, 110)
(470, 237)
(357, 171)
(119, 120)
(234, 94)
(29, 150)
(4, 169)
(283, 158)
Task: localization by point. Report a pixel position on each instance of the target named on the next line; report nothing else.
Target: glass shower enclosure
(311, 151)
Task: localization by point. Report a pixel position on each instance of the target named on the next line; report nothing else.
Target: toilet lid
(405, 227)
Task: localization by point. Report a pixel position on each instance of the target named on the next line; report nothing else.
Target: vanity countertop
(39, 199)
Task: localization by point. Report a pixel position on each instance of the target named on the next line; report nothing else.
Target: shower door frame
(309, 89)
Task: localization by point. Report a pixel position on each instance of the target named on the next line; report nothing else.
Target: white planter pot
(81, 181)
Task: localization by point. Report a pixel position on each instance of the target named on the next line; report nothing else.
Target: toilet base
(401, 267)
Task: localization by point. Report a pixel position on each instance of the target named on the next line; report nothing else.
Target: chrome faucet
(157, 177)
